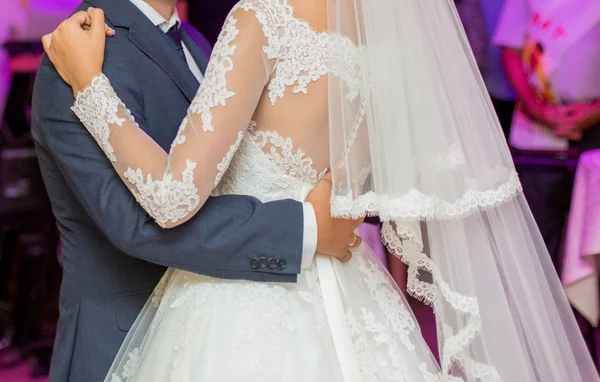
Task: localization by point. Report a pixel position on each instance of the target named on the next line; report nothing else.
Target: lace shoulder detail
(273, 15)
(303, 55)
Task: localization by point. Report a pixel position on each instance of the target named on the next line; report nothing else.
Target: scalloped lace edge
(415, 205)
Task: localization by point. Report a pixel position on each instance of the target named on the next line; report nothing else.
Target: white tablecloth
(580, 265)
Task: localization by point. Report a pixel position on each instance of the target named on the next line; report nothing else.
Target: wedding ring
(355, 243)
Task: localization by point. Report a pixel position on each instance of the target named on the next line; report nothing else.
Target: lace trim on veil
(415, 205)
(404, 241)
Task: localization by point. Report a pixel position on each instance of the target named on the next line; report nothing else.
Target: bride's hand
(76, 47)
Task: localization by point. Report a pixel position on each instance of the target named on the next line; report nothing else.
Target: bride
(385, 94)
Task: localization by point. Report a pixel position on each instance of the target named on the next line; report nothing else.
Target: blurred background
(561, 176)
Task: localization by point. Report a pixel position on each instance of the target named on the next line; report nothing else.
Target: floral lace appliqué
(130, 368)
(180, 138)
(97, 107)
(264, 309)
(405, 243)
(391, 326)
(168, 199)
(416, 205)
(303, 55)
(213, 92)
(281, 152)
(222, 167)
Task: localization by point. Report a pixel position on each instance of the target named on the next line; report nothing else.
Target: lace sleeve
(173, 187)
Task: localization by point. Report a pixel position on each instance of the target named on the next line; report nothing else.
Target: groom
(113, 254)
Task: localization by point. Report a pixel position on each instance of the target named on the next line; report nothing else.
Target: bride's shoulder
(266, 10)
(270, 16)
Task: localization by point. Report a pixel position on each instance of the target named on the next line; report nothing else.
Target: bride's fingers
(46, 41)
(98, 14)
(98, 25)
(346, 256)
(107, 30)
(80, 18)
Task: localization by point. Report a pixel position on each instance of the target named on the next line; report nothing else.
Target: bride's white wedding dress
(340, 322)
(259, 126)
(198, 328)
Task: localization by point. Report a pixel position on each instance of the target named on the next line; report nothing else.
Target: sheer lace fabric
(263, 64)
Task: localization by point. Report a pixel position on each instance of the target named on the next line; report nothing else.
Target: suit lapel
(150, 40)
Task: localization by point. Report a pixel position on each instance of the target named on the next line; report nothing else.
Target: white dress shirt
(165, 25)
(309, 244)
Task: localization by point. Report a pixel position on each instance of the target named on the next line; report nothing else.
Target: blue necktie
(174, 36)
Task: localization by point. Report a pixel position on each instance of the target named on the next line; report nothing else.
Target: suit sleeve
(221, 241)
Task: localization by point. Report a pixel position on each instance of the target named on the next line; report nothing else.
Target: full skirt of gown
(340, 322)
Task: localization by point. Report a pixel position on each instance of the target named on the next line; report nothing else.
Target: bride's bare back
(294, 103)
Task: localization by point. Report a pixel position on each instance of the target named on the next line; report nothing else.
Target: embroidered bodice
(280, 173)
(260, 111)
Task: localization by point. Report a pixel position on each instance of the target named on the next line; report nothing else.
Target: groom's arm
(224, 240)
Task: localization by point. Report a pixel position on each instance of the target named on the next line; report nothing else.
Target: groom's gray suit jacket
(113, 253)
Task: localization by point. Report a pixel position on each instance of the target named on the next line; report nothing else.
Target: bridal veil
(417, 142)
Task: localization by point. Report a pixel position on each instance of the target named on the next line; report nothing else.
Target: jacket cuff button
(281, 264)
(272, 263)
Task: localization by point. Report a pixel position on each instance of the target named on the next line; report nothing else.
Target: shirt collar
(155, 17)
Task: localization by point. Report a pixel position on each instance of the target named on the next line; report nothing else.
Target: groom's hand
(334, 236)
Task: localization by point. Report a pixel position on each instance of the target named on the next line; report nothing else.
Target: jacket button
(281, 264)
(272, 263)
(254, 263)
(264, 262)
